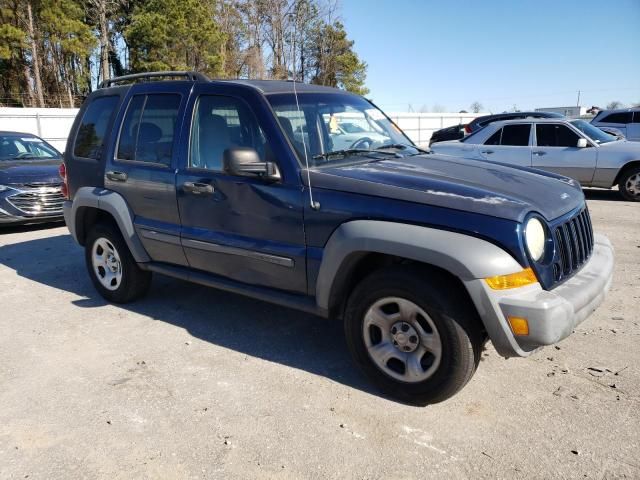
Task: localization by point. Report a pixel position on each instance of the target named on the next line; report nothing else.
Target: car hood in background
(19, 172)
(622, 146)
(488, 188)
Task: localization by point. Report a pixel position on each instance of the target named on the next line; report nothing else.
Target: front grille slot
(42, 201)
(574, 244)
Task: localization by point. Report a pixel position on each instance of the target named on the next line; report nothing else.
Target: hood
(488, 188)
(622, 146)
(19, 172)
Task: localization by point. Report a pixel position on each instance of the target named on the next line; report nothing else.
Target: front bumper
(551, 315)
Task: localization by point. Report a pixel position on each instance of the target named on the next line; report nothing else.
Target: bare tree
(613, 105)
(476, 107)
(101, 13)
(437, 108)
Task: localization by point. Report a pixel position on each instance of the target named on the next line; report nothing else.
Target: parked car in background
(573, 148)
(454, 132)
(626, 120)
(422, 257)
(30, 187)
(459, 131)
(613, 131)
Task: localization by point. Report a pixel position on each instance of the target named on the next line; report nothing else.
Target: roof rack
(191, 76)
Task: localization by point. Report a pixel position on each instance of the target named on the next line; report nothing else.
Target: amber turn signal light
(513, 280)
(519, 326)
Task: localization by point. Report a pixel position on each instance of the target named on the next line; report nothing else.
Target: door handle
(488, 152)
(197, 188)
(539, 153)
(116, 176)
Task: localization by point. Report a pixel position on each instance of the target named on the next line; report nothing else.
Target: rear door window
(93, 128)
(149, 128)
(555, 135)
(516, 135)
(618, 117)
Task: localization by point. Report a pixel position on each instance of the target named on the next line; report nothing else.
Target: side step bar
(304, 303)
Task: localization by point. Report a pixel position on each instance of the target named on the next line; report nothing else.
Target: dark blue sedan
(30, 186)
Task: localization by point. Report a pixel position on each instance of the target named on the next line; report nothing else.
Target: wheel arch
(627, 166)
(91, 205)
(359, 247)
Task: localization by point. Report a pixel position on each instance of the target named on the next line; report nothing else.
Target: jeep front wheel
(113, 270)
(414, 333)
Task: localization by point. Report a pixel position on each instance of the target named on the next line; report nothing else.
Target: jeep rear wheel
(413, 333)
(113, 270)
(629, 184)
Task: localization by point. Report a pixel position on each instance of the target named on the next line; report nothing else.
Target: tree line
(55, 52)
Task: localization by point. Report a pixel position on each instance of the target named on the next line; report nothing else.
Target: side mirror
(582, 143)
(245, 162)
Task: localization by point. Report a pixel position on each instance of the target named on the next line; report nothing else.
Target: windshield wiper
(349, 151)
(402, 146)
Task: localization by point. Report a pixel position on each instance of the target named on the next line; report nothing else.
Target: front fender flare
(464, 256)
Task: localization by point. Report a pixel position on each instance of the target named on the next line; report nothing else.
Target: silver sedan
(573, 148)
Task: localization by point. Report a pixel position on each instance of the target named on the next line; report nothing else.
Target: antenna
(313, 204)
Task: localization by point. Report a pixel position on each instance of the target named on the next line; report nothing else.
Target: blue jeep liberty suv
(311, 197)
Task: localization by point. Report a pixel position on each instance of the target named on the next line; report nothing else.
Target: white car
(626, 120)
(573, 148)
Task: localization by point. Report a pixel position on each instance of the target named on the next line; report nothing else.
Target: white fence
(53, 124)
(420, 126)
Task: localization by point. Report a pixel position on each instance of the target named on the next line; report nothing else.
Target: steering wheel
(22, 154)
(364, 142)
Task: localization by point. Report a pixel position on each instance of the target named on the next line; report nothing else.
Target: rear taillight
(467, 129)
(64, 188)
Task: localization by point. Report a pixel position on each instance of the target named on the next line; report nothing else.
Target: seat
(214, 139)
(149, 134)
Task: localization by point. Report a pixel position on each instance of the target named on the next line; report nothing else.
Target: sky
(448, 54)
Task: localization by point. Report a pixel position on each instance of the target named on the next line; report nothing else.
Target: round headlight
(535, 238)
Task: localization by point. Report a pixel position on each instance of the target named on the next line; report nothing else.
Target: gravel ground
(195, 383)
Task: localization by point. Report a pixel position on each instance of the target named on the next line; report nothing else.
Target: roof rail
(191, 76)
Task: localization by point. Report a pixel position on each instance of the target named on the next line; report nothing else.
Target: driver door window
(556, 135)
(220, 123)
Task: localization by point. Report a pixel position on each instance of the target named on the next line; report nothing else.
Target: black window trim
(108, 130)
(176, 132)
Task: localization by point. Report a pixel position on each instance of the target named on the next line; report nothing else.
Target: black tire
(134, 282)
(457, 323)
(626, 178)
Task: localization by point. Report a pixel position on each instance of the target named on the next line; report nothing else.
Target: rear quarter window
(93, 127)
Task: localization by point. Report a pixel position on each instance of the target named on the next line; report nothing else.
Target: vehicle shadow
(8, 228)
(601, 194)
(255, 328)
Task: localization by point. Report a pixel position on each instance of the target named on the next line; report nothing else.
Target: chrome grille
(39, 201)
(574, 244)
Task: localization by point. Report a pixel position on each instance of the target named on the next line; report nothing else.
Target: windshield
(592, 132)
(336, 127)
(15, 147)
